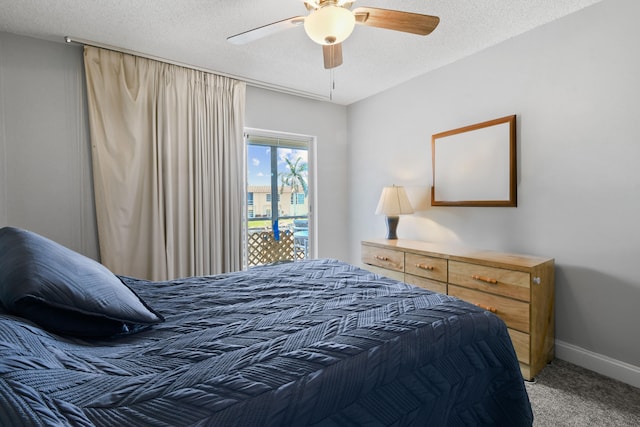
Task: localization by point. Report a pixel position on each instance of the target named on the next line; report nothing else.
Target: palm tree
(294, 177)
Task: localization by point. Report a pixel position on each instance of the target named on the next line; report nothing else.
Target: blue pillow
(64, 291)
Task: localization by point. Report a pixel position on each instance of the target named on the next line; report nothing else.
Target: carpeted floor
(568, 395)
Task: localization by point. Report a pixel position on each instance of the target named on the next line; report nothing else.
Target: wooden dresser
(517, 288)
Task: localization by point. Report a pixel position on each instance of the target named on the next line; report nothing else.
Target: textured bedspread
(309, 343)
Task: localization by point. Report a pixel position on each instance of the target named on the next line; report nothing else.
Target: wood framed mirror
(475, 165)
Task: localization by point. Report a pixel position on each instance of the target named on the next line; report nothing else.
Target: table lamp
(393, 202)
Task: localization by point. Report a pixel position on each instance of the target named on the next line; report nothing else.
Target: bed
(315, 342)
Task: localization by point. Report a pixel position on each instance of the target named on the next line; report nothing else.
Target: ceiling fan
(330, 22)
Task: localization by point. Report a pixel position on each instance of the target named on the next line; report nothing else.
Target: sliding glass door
(277, 199)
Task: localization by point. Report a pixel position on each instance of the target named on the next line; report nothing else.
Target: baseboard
(599, 363)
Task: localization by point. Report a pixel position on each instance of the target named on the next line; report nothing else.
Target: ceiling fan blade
(407, 22)
(332, 55)
(266, 30)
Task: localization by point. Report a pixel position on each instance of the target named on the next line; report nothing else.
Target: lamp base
(392, 224)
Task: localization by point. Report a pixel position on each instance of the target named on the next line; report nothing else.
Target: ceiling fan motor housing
(329, 24)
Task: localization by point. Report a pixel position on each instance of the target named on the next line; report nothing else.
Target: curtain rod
(255, 83)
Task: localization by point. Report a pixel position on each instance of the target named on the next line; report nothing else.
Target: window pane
(293, 178)
(259, 184)
(277, 196)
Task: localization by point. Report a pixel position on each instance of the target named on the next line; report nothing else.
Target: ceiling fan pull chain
(332, 84)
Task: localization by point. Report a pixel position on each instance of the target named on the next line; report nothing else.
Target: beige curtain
(167, 165)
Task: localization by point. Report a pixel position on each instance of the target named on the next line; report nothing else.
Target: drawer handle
(488, 308)
(425, 267)
(485, 279)
(381, 258)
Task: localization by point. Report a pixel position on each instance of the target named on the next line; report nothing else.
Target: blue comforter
(316, 342)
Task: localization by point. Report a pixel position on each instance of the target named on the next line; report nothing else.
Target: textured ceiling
(194, 32)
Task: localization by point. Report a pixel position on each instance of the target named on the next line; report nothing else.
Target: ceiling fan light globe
(329, 24)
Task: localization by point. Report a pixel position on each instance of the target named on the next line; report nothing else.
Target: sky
(259, 162)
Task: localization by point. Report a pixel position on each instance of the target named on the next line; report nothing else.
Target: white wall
(273, 111)
(3, 145)
(45, 166)
(575, 87)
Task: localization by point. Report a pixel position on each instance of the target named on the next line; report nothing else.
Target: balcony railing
(263, 248)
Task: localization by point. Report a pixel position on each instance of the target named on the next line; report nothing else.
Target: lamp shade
(393, 202)
(329, 24)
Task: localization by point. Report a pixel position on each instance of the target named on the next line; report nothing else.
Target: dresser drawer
(521, 344)
(391, 274)
(432, 285)
(425, 266)
(385, 258)
(514, 313)
(499, 281)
